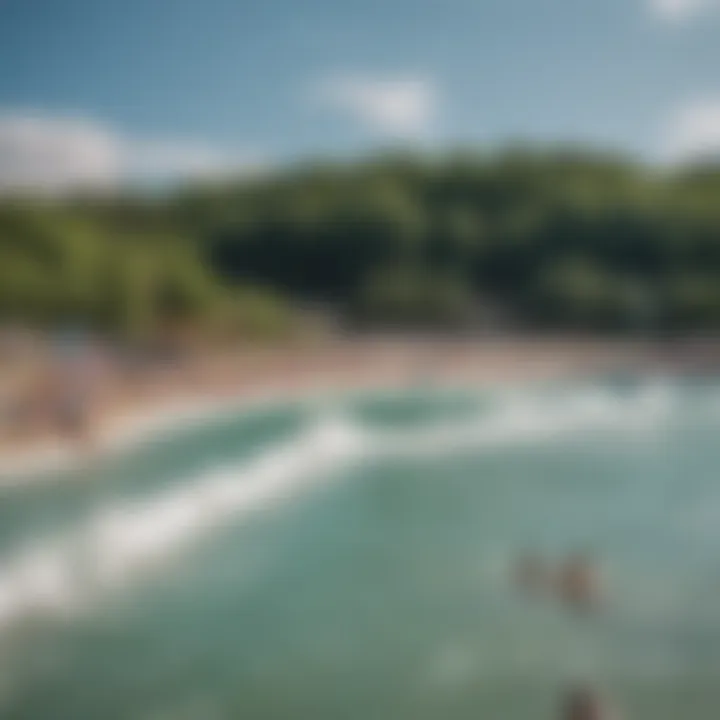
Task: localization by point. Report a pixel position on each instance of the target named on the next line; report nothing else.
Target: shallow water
(353, 560)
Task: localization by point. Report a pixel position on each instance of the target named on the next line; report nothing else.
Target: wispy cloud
(51, 154)
(403, 107)
(676, 11)
(693, 131)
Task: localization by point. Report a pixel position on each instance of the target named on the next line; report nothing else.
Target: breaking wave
(120, 542)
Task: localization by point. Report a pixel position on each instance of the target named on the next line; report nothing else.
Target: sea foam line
(119, 542)
(528, 418)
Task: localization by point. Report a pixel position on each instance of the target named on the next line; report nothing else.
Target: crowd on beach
(71, 389)
(71, 386)
(60, 390)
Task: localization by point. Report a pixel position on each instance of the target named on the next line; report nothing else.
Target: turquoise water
(353, 560)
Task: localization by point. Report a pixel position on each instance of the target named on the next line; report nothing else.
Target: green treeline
(559, 240)
(116, 268)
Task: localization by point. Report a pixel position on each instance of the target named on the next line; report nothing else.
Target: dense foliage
(63, 266)
(549, 240)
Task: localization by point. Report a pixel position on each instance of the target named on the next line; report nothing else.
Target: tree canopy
(560, 239)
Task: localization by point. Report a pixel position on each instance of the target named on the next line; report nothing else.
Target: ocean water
(352, 558)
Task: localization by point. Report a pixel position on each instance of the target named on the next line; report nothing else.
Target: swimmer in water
(578, 583)
(584, 703)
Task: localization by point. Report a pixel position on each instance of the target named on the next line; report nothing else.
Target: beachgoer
(73, 414)
(78, 382)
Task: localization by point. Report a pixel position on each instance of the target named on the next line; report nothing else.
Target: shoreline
(231, 384)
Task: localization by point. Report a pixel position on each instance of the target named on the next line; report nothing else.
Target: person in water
(583, 703)
(578, 583)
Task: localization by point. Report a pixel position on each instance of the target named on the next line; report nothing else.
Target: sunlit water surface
(353, 559)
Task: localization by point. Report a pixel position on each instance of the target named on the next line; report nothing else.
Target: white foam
(528, 418)
(125, 539)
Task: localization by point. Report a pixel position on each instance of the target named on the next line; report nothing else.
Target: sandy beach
(162, 399)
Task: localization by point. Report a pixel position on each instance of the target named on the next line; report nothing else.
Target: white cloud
(53, 154)
(403, 107)
(680, 10)
(693, 132)
(50, 154)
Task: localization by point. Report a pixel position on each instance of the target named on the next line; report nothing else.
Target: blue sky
(91, 90)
